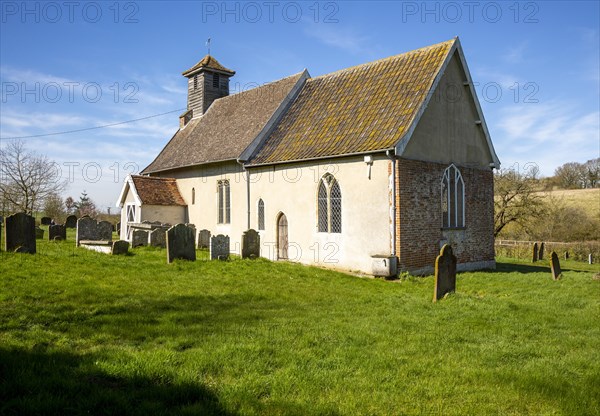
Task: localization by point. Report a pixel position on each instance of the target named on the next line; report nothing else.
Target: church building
(381, 163)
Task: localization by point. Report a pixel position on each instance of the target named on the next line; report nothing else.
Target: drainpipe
(241, 162)
(388, 153)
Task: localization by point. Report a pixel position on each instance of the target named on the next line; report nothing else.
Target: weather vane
(208, 45)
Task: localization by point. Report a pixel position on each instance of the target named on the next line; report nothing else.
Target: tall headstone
(105, 230)
(71, 221)
(204, 239)
(566, 255)
(118, 228)
(46, 220)
(19, 233)
(590, 259)
(158, 238)
(181, 243)
(555, 266)
(120, 247)
(219, 247)
(86, 229)
(57, 232)
(445, 273)
(534, 254)
(250, 244)
(541, 252)
(139, 238)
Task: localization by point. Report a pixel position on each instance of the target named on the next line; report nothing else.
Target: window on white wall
(223, 202)
(261, 215)
(453, 198)
(329, 205)
(130, 213)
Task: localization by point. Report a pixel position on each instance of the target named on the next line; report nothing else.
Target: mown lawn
(87, 333)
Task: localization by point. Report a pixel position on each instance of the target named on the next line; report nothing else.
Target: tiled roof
(208, 62)
(157, 191)
(360, 109)
(226, 129)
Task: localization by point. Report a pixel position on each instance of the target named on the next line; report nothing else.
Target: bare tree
(516, 199)
(27, 178)
(572, 175)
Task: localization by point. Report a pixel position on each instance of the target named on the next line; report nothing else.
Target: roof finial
(208, 45)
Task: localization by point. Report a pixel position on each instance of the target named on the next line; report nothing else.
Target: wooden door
(282, 237)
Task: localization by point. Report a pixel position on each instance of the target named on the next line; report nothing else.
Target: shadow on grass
(502, 267)
(50, 383)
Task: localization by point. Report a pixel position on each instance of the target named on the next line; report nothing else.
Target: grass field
(87, 333)
(586, 199)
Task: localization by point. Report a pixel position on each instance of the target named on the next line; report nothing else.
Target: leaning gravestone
(139, 238)
(445, 273)
(158, 238)
(120, 247)
(46, 220)
(541, 252)
(534, 256)
(219, 247)
(57, 232)
(19, 233)
(250, 244)
(105, 230)
(71, 221)
(180, 243)
(39, 233)
(204, 239)
(86, 230)
(555, 266)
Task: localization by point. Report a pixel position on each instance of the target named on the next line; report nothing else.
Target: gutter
(241, 163)
(388, 153)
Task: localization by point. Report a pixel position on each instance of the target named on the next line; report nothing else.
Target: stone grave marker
(534, 256)
(46, 220)
(180, 243)
(86, 230)
(541, 252)
(139, 238)
(118, 228)
(219, 247)
(120, 247)
(71, 221)
(590, 259)
(445, 273)
(158, 238)
(105, 230)
(555, 266)
(57, 232)
(19, 233)
(204, 239)
(566, 255)
(39, 233)
(250, 244)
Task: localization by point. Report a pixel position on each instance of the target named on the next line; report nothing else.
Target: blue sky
(69, 66)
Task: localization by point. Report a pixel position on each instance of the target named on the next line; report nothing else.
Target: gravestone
(86, 230)
(19, 233)
(555, 266)
(39, 233)
(250, 244)
(566, 255)
(46, 220)
(120, 247)
(57, 232)
(71, 221)
(534, 256)
(158, 238)
(219, 247)
(105, 230)
(118, 228)
(541, 252)
(204, 239)
(139, 238)
(180, 243)
(445, 273)
(590, 259)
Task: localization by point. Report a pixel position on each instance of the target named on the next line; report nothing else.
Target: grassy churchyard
(88, 333)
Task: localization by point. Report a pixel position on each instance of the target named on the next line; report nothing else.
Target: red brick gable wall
(418, 215)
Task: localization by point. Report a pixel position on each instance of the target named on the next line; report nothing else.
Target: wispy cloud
(516, 54)
(340, 37)
(547, 134)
